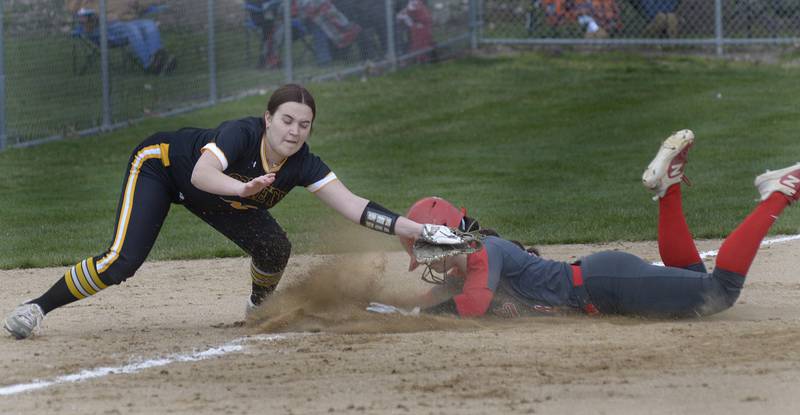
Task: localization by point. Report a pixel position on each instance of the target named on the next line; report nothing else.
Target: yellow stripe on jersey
(71, 285)
(143, 155)
(265, 158)
(164, 154)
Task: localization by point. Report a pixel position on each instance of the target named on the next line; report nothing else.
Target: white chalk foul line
(230, 347)
(765, 242)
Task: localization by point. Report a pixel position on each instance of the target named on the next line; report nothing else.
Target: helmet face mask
(435, 271)
(432, 277)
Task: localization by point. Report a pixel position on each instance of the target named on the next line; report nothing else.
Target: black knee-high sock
(57, 296)
(80, 281)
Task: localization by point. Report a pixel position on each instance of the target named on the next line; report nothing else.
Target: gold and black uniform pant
(148, 192)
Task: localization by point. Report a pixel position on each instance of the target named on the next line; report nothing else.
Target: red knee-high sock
(675, 243)
(739, 249)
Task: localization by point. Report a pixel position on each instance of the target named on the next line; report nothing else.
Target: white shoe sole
(779, 181)
(655, 176)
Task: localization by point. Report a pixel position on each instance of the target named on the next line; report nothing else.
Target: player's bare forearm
(351, 206)
(256, 185)
(213, 181)
(336, 195)
(407, 228)
(219, 184)
(436, 295)
(207, 176)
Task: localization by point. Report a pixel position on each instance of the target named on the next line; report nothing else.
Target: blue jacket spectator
(661, 17)
(651, 8)
(126, 27)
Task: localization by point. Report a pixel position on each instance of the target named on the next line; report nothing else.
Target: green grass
(48, 94)
(40, 75)
(546, 149)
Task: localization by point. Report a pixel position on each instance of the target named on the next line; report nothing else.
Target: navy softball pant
(622, 283)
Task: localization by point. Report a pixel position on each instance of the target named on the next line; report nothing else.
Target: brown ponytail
(491, 232)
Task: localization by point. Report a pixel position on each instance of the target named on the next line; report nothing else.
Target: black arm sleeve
(379, 218)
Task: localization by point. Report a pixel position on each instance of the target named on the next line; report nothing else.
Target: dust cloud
(332, 296)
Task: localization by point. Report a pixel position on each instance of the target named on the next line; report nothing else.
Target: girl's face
(288, 128)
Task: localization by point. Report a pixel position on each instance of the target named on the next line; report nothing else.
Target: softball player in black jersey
(230, 177)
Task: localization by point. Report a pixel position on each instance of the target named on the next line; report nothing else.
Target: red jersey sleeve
(476, 296)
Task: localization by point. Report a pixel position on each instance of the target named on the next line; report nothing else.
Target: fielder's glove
(426, 252)
(440, 235)
(390, 309)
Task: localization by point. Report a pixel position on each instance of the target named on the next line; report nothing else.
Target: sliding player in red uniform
(503, 279)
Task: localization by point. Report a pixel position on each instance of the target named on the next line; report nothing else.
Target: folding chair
(86, 35)
(86, 46)
(266, 17)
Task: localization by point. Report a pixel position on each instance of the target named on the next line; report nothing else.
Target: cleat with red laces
(668, 166)
(786, 181)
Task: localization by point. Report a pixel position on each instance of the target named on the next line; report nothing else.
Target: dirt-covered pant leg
(259, 235)
(621, 283)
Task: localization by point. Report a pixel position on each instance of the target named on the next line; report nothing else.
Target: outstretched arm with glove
(374, 216)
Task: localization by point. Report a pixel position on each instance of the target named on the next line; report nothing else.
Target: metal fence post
(2, 82)
(481, 8)
(106, 124)
(718, 26)
(473, 24)
(391, 47)
(212, 59)
(287, 41)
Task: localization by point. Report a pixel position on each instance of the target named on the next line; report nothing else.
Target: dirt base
(745, 360)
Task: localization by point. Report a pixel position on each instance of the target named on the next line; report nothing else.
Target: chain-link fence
(75, 67)
(712, 23)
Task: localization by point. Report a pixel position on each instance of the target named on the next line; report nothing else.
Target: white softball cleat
(786, 181)
(24, 320)
(669, 164)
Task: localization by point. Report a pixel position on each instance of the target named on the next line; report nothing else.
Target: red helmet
(433, 210)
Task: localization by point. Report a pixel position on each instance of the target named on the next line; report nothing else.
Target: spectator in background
(263, 16)
(371, 16)
(416, 17)
(329, 28)
(598, 18)
(125, 25)
(663, 21)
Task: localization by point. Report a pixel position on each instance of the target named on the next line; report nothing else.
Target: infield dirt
(334, 357)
